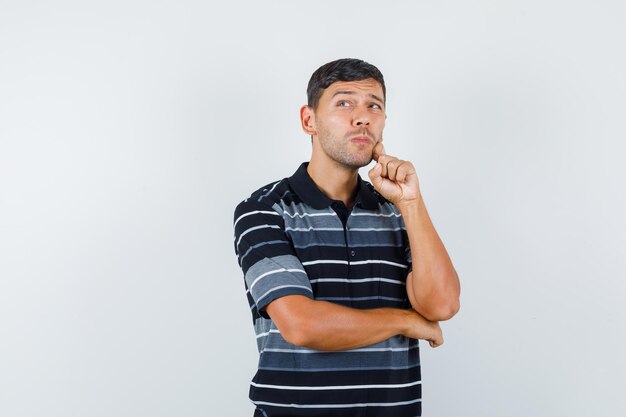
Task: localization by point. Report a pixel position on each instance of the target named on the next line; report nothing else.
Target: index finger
(378, 151)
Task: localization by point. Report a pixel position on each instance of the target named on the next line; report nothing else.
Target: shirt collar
(302, 184)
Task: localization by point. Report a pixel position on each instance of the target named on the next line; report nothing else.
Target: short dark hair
(345, 69)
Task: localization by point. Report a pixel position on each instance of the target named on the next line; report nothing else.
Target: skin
(347, 128)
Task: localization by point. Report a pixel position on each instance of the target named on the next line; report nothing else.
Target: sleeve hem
(278, 294)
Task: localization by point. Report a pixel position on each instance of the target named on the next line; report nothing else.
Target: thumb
(375, 175)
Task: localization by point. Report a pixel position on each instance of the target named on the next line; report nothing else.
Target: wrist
(405, 322)
(409, 206)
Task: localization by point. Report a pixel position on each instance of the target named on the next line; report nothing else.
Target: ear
(307, 118)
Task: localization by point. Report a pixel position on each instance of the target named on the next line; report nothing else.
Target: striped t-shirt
(292, 239)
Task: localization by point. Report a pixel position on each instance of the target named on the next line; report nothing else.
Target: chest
(362, 263)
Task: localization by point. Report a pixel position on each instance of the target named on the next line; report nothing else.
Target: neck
(336, 181)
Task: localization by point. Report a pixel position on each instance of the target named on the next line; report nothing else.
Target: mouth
(362, 139)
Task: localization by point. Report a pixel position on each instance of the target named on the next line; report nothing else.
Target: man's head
(345, 69)
(345, 114)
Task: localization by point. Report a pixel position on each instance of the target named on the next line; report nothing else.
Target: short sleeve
(270, 266)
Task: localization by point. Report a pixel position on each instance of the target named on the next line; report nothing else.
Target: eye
(375, 106)
(343, 103)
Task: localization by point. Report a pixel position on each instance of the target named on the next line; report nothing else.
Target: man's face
(349, 121)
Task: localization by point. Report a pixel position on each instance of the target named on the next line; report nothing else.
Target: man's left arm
(433, 285)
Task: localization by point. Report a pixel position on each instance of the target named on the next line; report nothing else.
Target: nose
(361, 118)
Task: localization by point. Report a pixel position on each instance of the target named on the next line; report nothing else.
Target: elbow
(294, 337)
(294, 319)
(447, 304)
(446, 312)
(297, 333)
(440, 301)
(440, 311)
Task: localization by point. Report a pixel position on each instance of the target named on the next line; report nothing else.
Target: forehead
(367, 87)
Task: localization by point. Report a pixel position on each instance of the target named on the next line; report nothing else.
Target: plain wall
(129, 130)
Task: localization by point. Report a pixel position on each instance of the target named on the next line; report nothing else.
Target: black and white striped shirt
(292, 239)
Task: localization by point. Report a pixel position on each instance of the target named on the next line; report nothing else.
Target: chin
(358, 163)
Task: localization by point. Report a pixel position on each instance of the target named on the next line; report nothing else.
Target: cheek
(338, 119)
(379, 125)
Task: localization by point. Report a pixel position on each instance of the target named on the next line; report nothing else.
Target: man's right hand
(420, 328)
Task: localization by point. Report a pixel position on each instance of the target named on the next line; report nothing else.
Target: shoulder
(264, 198)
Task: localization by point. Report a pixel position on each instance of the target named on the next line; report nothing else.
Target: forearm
(433, 285)
(323, 325)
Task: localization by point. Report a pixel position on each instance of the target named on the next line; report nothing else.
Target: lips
(361, 139)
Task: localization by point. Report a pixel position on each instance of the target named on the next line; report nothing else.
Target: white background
(129, 130)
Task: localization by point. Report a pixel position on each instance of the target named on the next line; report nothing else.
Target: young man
(337, 300)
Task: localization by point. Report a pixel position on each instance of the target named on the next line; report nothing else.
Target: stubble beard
(337, 148)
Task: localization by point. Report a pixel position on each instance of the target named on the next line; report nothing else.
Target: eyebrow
(374, 96)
